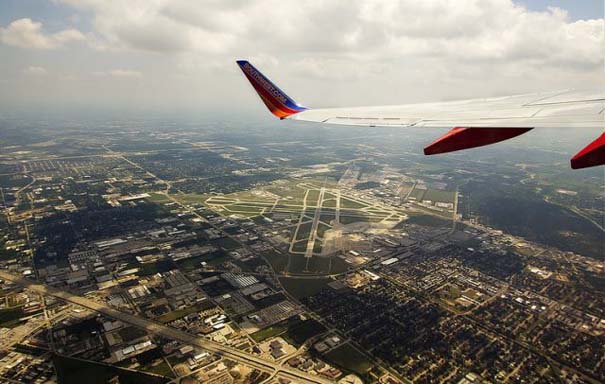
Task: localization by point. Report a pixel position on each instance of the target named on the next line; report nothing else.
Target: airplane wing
(473, 123)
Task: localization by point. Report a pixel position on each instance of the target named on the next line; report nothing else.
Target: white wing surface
(474, 122)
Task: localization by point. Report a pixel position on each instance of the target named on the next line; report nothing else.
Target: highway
(153, 327)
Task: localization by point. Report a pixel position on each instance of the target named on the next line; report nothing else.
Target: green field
(10, 317)
(297, 264)
(300, 246)
(345, 219)
(287, 191)
(162, 369)
(438, 195)
(331, 203)
(300, 288)
(326, 217)
(339, 265)
(191, 198)
(349, 358)
(346, 203)
(244, 209)
(301, 332)
(319, 265)
(130, 333)
(317, 247)
(158, 198)
(268, 332)
(321, 229)
(312, 197)
(304, 230)
(277, 260)
(174, 315)
(75, 371)
(429, 221)
(418, 194)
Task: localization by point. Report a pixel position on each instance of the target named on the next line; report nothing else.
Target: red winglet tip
(463, 138)
(592, 155)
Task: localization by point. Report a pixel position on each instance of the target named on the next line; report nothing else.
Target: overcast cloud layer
(180, 54)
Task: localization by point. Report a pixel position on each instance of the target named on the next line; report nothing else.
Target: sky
(179, 55)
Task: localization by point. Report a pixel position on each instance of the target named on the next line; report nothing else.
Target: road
(167, 332)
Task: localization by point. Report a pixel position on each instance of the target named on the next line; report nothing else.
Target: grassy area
(317, 247)
(268, 332)
(287, 190)
(346, 203)
(304, 230)
(158, 198)
(330, 203)
(339, 265)
(349, 358)
(131, 333)
(312, 197)
(327, 182)
(244, 209)
(326, 218)
(345, 219)
(318, 264)
(10, 317)
(301, 332)
(73, 371)
(192, 263)
(321, 229)
(429, 221)
(162, 369)
(277, 260)
(438, 195)
(174, 315)
(418, 194)
(300, 288)
(191, 198)
(250, 196)
(443, 214)
(176, 359)
(253, 203)
(298, 264)
(300, 246)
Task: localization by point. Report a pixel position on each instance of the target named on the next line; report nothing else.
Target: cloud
(125, 73)
(35, 71)
(26, 33)
(121, 73)
(461, 30)
(337, 52)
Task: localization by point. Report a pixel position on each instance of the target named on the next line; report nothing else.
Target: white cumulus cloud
(120, 73)
(35, 70)
(368, 31)
(125, 73)
(334, 53)
(26, 33)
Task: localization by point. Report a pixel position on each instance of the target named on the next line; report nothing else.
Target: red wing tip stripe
(591, 155)
(464, 138)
